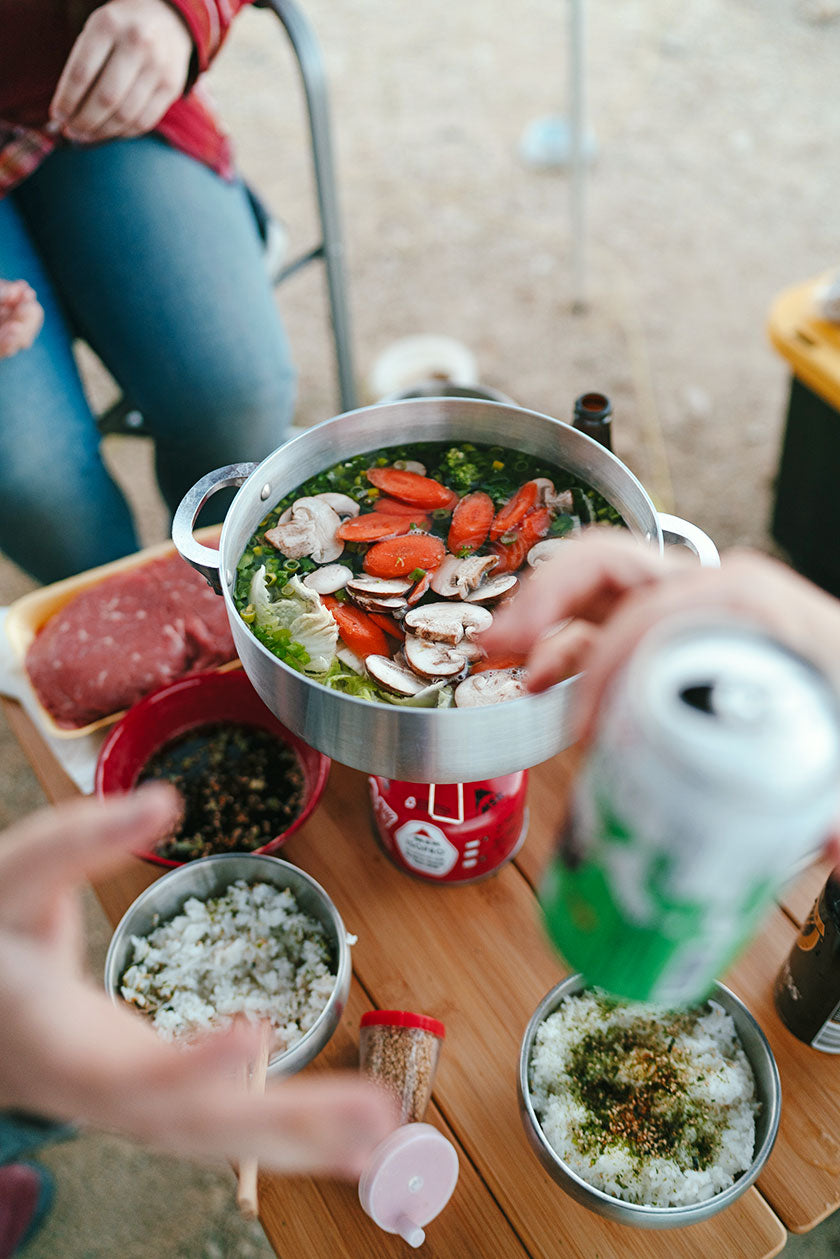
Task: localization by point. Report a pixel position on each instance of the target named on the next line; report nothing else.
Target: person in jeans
(121, 211)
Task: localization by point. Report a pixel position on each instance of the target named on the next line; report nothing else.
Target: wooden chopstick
(255, 1073)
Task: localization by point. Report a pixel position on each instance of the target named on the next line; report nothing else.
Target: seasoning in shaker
(400, 1051)
(807, 990)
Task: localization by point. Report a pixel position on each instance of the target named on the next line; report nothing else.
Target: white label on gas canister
(424, 847)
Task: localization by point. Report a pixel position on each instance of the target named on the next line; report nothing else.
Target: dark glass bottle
(807, 990)
(593, 416)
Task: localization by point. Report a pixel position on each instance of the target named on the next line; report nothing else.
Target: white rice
(249, 951)
(711, 1077)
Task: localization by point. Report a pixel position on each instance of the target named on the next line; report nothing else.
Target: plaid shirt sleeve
(208, 22)
(22, 150)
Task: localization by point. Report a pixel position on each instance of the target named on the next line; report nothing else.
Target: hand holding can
(715, 769)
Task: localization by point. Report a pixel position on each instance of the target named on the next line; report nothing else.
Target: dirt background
(715, 185)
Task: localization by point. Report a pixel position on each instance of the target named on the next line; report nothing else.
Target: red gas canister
(452, 832)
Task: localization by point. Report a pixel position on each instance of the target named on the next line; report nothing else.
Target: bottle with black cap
(593, 416)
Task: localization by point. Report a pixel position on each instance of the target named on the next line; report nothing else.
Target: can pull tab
(444, 817)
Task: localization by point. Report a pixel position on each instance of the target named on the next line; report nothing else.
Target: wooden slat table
(476, 957)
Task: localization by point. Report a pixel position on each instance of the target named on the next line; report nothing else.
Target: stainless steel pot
(412, 744)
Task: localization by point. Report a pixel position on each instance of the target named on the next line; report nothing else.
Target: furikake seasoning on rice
(650, 1105)
(250, 951)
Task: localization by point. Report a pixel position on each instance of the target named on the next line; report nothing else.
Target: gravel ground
(715, 185)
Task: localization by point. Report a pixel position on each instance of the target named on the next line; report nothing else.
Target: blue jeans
(157, 263)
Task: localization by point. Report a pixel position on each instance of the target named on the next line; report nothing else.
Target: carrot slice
(512, 554)
(356, 628)
(471, 521)
(411, 487)
(514, 510)
(393, 507)
(509, 661)
(388, 624)
(372, 526)
(397, 557)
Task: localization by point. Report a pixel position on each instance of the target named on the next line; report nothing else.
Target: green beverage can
(714, 773)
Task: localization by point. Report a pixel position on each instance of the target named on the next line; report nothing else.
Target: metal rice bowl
(211, 876)
(768, 1089)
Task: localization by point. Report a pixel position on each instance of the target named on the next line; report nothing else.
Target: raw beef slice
(130, 634)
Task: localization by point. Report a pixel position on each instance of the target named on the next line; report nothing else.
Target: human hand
(617, 588)
(126, 68)
(67, 1052)
(21, 317)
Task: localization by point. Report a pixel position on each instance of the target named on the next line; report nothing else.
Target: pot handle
(679, 532)
(203, 558)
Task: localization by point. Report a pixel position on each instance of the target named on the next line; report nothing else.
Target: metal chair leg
(313, 77)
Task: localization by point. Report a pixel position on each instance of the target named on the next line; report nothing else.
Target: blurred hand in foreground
(68, 1053)
(616, 588)
(128, 65)
(21, 317)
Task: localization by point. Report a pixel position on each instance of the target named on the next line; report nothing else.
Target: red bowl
(199, 700)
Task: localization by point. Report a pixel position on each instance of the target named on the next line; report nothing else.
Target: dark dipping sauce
(241, 787)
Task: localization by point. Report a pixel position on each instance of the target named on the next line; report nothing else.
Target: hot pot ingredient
(241, 786)
(412, 488)
(250, 951)
(399, 557)
(129, 634)
(653, 1106)
(471, 522)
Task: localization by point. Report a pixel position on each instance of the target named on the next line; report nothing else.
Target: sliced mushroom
(455, 578)
(445, 579)
(492, 589)
(433, 660)
(544, 550)
(410, 465)
(379, 587)
(393, 605)
(494, 686)
(471, 651)
(474, 570)
(447, 622)
(326, 580)
(342, 504)
(310, 530)
(394, 677)
(557, 501)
